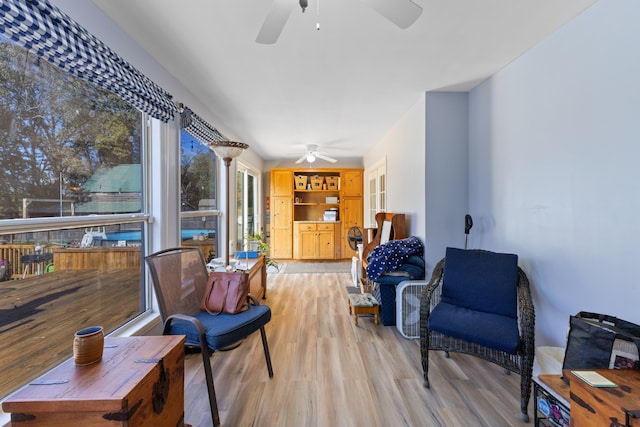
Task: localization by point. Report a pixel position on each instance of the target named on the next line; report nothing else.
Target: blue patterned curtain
(198, 127)
(46, 31)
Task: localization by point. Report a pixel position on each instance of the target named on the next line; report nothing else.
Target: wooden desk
(257, 276)
(604, 406)
(138, 382)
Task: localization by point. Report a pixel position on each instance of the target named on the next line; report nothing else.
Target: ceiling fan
(403, 13)
(313, 154)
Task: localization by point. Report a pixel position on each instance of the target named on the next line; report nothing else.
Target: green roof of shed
(116, 179)
(109, 207)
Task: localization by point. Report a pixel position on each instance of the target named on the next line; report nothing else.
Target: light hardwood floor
(328, 372)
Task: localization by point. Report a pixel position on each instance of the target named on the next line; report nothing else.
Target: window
(67, 148)
(72, 218)
(247, 208)
(198, 193)
(375, 192)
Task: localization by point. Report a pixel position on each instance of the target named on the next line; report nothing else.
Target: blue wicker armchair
(479, 303)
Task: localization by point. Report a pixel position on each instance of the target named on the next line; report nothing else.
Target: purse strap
(206, 306)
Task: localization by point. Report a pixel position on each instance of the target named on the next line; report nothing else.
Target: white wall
(446, 202)
(403, 146)
(553, 167)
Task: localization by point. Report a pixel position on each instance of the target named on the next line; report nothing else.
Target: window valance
(197, 127)
(49, 33)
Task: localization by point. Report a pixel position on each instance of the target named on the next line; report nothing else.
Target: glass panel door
(247, 208)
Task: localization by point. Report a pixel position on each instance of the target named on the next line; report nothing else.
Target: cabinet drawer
(325, 227)
(307, 227)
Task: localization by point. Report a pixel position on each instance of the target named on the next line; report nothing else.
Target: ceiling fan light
(311, 158)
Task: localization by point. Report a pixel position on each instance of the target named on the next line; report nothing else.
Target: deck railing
(13, 253)
(98, 258)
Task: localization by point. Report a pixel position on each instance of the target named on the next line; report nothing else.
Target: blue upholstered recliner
(479, 303)
(389, 265)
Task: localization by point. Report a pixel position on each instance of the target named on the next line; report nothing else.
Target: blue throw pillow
(480, 280)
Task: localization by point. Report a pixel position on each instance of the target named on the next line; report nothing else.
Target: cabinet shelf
(316, 191)
(316, 204)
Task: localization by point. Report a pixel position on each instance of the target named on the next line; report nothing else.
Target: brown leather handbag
(226, 292)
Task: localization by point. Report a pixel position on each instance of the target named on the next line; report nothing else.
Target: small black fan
(354, 236)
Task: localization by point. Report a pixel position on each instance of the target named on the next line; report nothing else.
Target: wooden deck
(40, 314)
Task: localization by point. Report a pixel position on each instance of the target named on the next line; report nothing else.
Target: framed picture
(624, 355)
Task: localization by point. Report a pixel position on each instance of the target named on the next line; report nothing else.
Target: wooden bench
(363, 304)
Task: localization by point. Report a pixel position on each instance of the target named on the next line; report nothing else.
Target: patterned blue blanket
(388, 257)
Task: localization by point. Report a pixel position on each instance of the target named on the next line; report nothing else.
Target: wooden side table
(138, 382)
(257, 270)
(606, 406)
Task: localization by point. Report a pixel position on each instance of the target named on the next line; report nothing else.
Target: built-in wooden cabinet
(303, 203)
(281, 240)
(352, 216)
(351, 183)
(281, 182)
(314, 240)
(351, 189)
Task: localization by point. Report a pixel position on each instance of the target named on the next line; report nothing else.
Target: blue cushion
(385, 291)
(415, 260)
(411, 269)
(386, 296)
(389, 256)
(483, 281)
(224, 329)
(487, 329)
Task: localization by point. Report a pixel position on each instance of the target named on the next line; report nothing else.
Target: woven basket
(316, 182)
(332, 182)
(301, 182)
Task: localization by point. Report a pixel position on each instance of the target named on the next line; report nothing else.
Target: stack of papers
(594, 379)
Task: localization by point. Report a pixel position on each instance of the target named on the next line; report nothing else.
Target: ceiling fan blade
(301, 159)
(403, 13)
(327, 158)
(274, 22)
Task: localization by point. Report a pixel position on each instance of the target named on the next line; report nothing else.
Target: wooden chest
(138, 382)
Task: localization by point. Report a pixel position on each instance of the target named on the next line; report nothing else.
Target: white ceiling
(342, 87)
